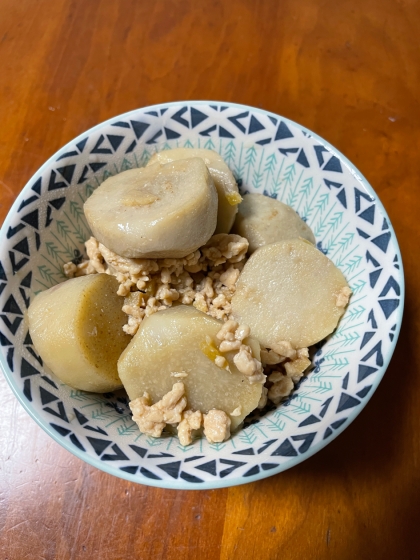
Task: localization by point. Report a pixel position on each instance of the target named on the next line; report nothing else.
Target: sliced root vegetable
(161, 211)
(76, 327)
(289, 291)
(264, 220)
(180, 344)
(225, 183)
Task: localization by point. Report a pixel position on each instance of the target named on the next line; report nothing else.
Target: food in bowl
(195, 303)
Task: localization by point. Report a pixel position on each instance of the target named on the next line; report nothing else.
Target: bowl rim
(219, 483)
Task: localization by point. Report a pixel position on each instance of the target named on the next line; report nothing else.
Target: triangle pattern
(139, 128)
(129, 470)
(377, 349)
(266, 445)
(118, 455)
(2, 273)
(342, 198)
(223, 133)
(62, 431)
(373, 277)
(327, 433)
(325, 407)
(248, 451)
(346, 401)
(171, 134)
(391, 284)
(149, 474)
(333, 164)
(366, 337)
(330, 184)
(81, 418)
(369, 258)
(209, 467)
(252, 471)
(13, 230)
(99, 445)
(286, 449)
(27, 202)
(358, 196)
(371, 318)
(389, 306)
(233, 466)
(283, 132)
(76, 442)
(208, 130)
(27, 389)
(31, 219)
(368, 214)
(235, 120)
(307, 441)
(115, 141)
(11, 306)
(269, 466)
(99, 149)
(36, 187)
(22, 247)
(4, 341)
(139, 450)
(365, 371)
(46, 396)
(255, 125)
(302, 159)
(338, 423)
(197, 117)
(309, 420)
(81, 145)
(60, 413)
(97, 166)
(364, 391)
(171, 468)
(190, 477)
(319, 151)
(179, 118)
(26, 369)
(154, 138)
(13, 327)
(83, 177)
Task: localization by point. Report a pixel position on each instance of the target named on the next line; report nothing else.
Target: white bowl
(269, 154)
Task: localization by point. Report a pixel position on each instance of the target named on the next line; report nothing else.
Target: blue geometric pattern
(268, 154)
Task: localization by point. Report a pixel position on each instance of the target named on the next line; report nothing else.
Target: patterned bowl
(268, 154)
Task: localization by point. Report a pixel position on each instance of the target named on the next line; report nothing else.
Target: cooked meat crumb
(343, 297)
(282, 388)
(232, 336)
(151, 419)
(206, 278)
(216, 426)
(190, 421)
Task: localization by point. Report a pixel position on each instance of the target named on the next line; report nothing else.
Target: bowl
(268, 154)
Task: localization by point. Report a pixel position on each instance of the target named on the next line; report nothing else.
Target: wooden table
(347, 69)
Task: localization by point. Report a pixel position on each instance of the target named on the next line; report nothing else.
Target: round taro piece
(227, 189)
(178, 344)
(76, 327)
(264, 220)
(161, 211)
(290, 291)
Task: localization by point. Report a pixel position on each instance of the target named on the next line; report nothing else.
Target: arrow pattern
(267, 154)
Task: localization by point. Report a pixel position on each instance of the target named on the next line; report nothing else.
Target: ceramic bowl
(268, 154)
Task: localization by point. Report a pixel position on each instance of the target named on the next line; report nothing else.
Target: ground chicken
(151, 419)
(190, 421)
(216, 426)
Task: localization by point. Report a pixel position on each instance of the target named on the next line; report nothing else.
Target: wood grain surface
(350, 71)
